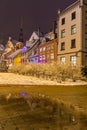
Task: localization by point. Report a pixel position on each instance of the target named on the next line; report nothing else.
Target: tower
(21, 31)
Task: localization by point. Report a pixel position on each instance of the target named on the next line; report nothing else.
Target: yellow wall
(17, 59)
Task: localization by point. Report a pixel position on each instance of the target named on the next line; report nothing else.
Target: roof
(49, 35)
(1, 47)
(30, 44)
(35, 35)
(14, 54)
(69, 7)
(47, 42)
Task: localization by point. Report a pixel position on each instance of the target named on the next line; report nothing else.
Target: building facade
(72, 34)
(47, 51)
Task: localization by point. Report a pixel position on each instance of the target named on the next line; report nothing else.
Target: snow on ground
(10, 78)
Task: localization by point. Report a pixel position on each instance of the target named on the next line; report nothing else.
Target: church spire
(21, 31)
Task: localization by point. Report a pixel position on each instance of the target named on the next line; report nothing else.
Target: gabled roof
(30, 44)
(35, 35)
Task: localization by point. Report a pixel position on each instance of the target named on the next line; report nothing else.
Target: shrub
(60, 72)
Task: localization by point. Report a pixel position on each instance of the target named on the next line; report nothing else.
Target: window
(73, 16)
(73, 60)
(48, 48)
(52, 46)
(41, 49)
(40, 58)
(62, 33)
(52, 56)
(73, 43)
(44, 48)
(63, 21)
(62, 59)
(73, 29)
(62, 46)
(43, 57)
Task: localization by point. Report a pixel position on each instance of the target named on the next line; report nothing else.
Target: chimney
(81, 3)
(55, 28)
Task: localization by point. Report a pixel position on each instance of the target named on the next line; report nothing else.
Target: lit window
(62, 46)
(73, 29)
(62, 59)
(73, 60)
(63, 21)
(73, 16)
(52, 56)
(40, 58)
(43, 57)
(44, 48)
(63, 33)
(73, 43)
(41, 49)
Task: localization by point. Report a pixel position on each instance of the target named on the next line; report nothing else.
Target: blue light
(24, 49)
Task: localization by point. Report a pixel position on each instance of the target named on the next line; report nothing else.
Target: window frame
(62, 21)
(62, 59)
(73, 43)
(73, 29)
(62, 46)
(62, 33)
(52, 56)
(73, 15)
(73, 60)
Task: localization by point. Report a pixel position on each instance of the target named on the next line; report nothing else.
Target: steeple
(21, 31)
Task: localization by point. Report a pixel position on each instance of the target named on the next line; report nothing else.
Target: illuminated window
(73, 60)
(73, 29)
(43, 57)
(40, 58)
(62, 59)
(41, 49)
(63, 33)
(44, 48)
(52, 56)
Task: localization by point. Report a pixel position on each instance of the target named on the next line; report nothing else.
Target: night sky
(35, 13)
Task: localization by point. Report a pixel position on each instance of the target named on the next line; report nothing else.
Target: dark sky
(36, 13)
